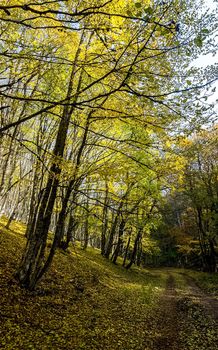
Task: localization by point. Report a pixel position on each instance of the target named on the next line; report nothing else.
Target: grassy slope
(207, 281)
(84, 302)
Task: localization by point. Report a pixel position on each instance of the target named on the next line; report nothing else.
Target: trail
(85, 302)
(185, 318)
(209, 303)
(167, 325)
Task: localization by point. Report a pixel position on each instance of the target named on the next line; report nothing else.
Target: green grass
(206, 281)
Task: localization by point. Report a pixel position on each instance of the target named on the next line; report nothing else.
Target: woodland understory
(108, 132)
(85, 302)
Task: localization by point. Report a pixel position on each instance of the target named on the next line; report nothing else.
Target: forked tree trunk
(120, 241)
(111, 237)
(135, 248)
(32, 265)
(139, 237)
(115, 222)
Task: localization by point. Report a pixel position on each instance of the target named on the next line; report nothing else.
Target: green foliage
(138, 4)
(198, 41)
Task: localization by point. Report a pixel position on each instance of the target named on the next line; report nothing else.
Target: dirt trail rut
(167, 319)
(186, 319)
(209, 303)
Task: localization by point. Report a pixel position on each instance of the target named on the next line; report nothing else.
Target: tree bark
(32, 265)
(105, 220)
(126, 250)
(120, 240)
(86, 227)
(134, 252)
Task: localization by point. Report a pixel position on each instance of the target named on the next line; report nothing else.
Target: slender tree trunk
(206, 244)
(134, 252)
(126, 250)
(105, 220)
(32, 266)
(86, 226)
(72, 187)
(33, 200)
(120, 240)
(139, 254)
(69, 234)
(114, 224)
(59, 231)
(111, 237)
(10, 219)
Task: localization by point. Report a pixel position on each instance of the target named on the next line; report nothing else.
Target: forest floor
(86, 302)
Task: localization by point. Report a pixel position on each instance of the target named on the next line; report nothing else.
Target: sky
(206, 60)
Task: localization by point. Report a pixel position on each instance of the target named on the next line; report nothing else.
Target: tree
(104, 79)
(201, 179)
(190, 209)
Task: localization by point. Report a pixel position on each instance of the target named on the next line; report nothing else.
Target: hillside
(86, 302)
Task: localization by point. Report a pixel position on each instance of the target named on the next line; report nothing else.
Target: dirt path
(167, 326)
(209, 303)
(186, 318)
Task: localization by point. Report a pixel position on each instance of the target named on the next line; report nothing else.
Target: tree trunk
(134, 252)
(208, 252)
(111, 238)
(32, 265)
(86, 228)
(126, 251)
(139, 253)
(33, 200)
(120, 241)
(114, 224)
(69, 234)
(105, 220)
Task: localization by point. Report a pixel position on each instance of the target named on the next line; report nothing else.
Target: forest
(109, 172)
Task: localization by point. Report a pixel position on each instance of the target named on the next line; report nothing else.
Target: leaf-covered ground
(85, 302)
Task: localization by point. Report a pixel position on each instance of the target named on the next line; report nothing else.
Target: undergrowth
(207, 281)
(83, 302)
(86, 302)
